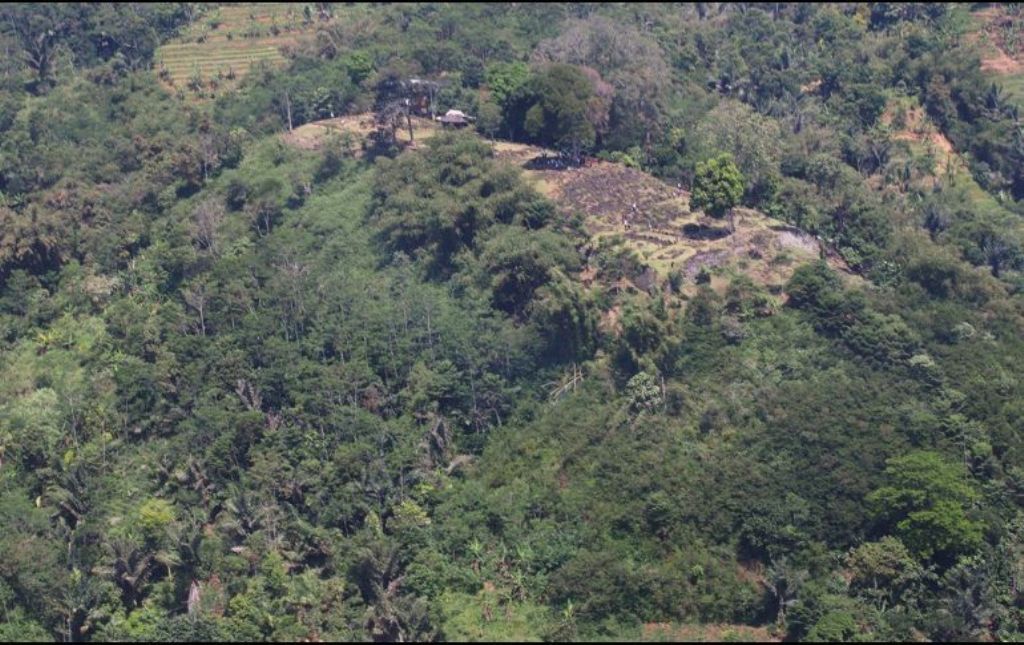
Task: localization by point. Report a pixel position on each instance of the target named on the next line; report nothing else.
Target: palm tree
(390, 616)
(67, 497)
(304, 593)
(129, 566)
(241, 516)
(186, 537)
(995, 100)
(970, 600)
(565, 630)
(784, 582)
(476, 549)
(81, 604)
(400, 619)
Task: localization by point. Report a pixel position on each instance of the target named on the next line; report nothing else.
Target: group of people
(627, 219)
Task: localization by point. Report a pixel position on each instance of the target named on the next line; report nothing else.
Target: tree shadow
(552, 162)
(703, 232)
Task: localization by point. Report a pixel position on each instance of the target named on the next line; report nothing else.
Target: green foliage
(17, 628)
(155, 515)
(926, 504)
(832, 627)
(566, 318)
(521, 261)
(359, 66)
(718, 186)
(256, 392)
(489, 119)
(554, 109)
(884, 572)
(628, 70)
(882, 339)
(476, 194)
(643, 392)
(491, 616)
(409, 515)
(752, 141)
(504, 79)
(93, 34)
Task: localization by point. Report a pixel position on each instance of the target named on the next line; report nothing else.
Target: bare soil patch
(919, 129)
(313, 135)
(1002, 63)
(1000, 40)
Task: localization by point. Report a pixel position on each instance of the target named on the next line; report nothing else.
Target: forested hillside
(709, 324)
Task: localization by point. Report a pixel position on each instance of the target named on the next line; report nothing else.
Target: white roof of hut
(455, 116)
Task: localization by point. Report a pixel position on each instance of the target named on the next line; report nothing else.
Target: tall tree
(559, 107)
(629, 60)
(718, 186)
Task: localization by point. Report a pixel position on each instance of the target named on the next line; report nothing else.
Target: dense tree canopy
(560, 107)
(256, 385)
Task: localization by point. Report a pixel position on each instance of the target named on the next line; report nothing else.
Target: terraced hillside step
(209, 51)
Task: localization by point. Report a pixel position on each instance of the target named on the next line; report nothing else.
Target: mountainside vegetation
(710, 324)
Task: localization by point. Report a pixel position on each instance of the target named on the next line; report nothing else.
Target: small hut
(455, 119)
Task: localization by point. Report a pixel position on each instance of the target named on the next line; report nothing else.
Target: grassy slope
(925, 139)
(1004, 67)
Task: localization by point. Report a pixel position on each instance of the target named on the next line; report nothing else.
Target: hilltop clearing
(358, 127)
(651, 217)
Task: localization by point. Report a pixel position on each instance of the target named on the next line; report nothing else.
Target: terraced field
(654, 219)
(223, 45)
